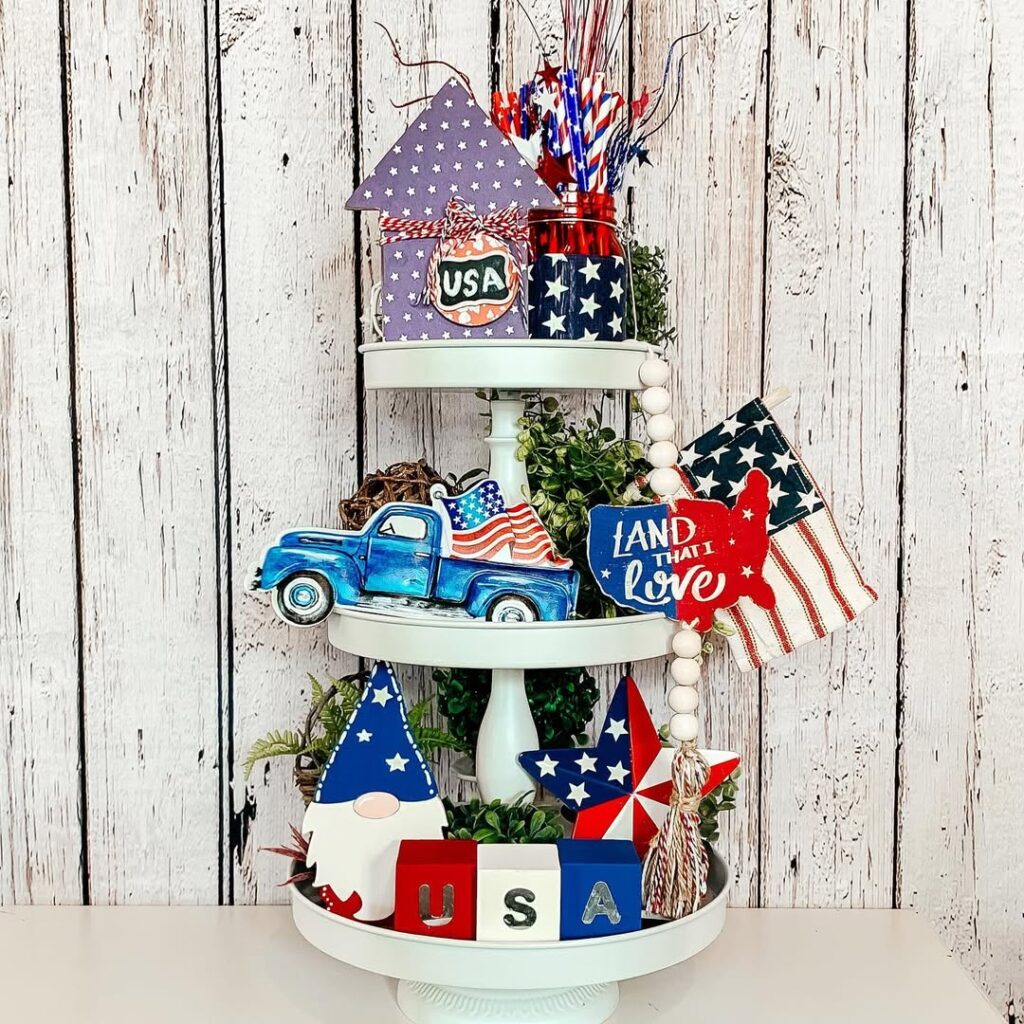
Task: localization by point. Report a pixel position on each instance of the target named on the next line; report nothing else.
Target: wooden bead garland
(686, 643)
(664, 482)
(655, 400)
(685, 671)
(661, 427)
(654, 373)
(683, 700)
(675, 869)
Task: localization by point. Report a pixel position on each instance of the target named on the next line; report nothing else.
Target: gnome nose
(376, 805)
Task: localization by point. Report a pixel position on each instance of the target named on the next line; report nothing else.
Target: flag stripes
(818, 586)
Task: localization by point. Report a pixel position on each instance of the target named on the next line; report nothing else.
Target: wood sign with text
(686, 558)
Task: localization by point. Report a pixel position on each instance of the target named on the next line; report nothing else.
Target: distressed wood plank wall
(840, 194)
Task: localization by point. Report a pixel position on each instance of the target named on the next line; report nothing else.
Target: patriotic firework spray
(581, 136)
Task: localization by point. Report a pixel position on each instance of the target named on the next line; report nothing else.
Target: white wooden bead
(686, 643)
(654, 373)
(662, 453)
(685, 671)
(683, 700)
(661, 427)
(683, 728)
(664, 482)
(655, 400)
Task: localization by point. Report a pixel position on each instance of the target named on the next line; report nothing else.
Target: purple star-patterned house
(452, 155)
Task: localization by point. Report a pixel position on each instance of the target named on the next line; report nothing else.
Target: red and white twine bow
(459, 224)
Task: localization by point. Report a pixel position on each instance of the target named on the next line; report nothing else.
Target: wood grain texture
(40, 827)
(703, 202)
(291, 325)
(446, 429)
(141, 275)
(961, 767)
(833, 303)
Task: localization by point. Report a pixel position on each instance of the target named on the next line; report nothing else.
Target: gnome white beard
(353, 854)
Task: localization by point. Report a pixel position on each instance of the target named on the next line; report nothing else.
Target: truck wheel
(303, 599)
(510, 608)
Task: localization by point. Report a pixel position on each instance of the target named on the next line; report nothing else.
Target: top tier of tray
(516, 364)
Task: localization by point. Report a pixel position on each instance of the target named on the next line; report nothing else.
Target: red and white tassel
(675, 876)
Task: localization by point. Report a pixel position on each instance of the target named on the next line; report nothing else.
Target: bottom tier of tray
(446, 981)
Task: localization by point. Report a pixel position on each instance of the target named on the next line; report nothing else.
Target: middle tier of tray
(472, 643)
(506, 364)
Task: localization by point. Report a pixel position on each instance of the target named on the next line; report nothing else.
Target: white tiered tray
(516, 364)
(475, 643)
(447, 981)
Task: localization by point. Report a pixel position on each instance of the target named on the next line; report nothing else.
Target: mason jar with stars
(578, 276)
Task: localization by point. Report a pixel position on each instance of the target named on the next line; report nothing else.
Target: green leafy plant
(497, 822)
(571, 468)
(329, 714)
(721, 798)
(650, 285)
(562, 702)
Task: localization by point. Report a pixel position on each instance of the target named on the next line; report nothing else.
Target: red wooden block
(435, 888)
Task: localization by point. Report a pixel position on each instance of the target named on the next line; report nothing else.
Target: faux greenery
(650, 282)
(571, 468)
(330, 721)
(562, 701)
(721, 798)
(496, 822)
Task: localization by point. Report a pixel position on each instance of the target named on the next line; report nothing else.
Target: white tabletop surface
(248, 964)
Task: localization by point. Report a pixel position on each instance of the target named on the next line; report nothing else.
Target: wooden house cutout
(451, 151)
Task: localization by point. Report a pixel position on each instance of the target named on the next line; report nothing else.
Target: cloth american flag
(817, 584)
(483, 527)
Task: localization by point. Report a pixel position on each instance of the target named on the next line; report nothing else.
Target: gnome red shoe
(343, 908)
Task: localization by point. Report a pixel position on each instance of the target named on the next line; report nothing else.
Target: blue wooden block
(600, 887)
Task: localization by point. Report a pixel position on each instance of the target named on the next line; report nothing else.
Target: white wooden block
(518, 893)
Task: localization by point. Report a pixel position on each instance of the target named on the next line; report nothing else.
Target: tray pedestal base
(426, 1003)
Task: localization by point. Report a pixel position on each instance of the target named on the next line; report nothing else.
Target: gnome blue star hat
(376, 752)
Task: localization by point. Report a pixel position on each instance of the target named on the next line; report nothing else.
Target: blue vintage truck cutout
(398, 555)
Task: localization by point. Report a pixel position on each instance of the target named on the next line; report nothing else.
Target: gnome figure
(376, 790)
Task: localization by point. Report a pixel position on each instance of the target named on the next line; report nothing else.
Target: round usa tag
(474, 282)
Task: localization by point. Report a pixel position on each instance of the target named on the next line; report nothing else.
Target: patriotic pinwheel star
(621, 787)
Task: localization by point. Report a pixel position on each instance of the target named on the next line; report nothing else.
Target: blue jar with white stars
(578, 278)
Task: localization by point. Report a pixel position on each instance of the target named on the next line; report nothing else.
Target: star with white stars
(783, 460)
(364, 736)
(547, 765)
(578, 793)
(617, 773)
(381, 696)
(616, 728)
(555, 324)
(705, 484)
(748, 456)
(809, 501)
(590, 271)
(731, 426)
(396, 763)
(587, 763)
(556, 289)
(588, 306)
(775, 493)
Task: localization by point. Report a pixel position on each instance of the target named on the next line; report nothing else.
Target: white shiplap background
(842, 197)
